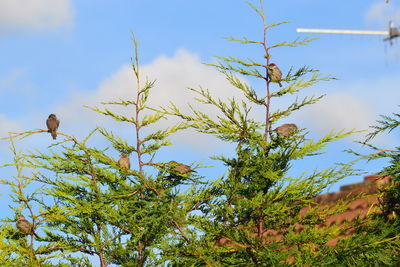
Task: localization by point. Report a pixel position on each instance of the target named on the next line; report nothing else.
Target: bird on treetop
(124, 162)
(286, 129)
(52, 125)
(274, 73)
(23, 225)
(180, 168)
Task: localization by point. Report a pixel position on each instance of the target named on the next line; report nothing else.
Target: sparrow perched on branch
(52, 125)
(24, 226)
(286, 129)
(180, 168)
(274, 74)
(124, 162)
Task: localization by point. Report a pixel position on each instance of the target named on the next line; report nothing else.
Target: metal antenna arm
(343, 31)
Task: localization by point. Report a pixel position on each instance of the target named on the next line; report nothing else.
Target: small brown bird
(52, 125)
(286, 129)
(274, 74)
(23, 225)
(180, 168)
(124, 162)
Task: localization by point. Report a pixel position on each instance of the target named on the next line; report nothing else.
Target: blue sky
(58, 55)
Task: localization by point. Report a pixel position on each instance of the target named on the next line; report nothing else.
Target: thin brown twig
(381, 151)
(181, 231)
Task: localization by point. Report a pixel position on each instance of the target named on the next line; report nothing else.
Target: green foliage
(387, 123)
(389, 200)
(93, 206)
(87, 206)
(15, 247)
(249, 217)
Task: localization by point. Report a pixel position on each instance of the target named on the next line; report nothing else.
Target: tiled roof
(362, 198)
(369, 186)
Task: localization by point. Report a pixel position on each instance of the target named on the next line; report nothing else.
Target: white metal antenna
(391, 34)
(344, 31)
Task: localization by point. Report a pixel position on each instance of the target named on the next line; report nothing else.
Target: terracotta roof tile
(362, 198)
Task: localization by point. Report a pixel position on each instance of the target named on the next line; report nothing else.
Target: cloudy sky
(57, 55)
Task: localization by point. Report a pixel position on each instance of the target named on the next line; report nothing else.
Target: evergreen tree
(131, 210)
(99, 205)
(378, 237)
(18, 247)
(252, 216)
(390, 203)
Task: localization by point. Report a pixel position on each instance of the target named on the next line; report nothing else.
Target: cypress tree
(252, 215)
(118, 205)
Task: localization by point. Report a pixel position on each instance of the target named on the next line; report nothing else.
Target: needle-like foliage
(90, 204)
(252, 215)
(98, 207)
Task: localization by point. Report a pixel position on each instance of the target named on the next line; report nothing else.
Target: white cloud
(381, 92)
(340, 111)
(15, 81)
(382, 13)
(173, 75)
(7, 126)
(356, 106)
(344, 110)
(16, 15)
